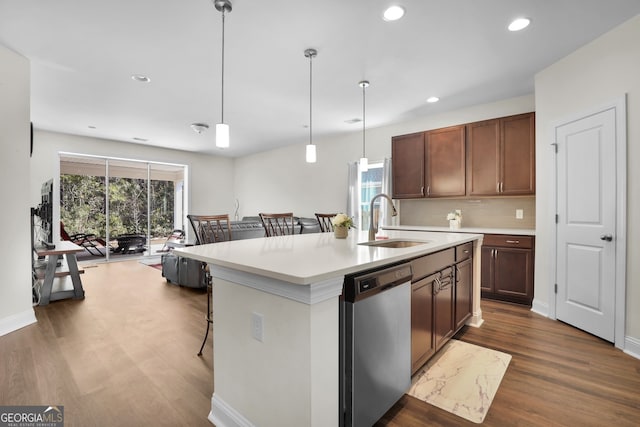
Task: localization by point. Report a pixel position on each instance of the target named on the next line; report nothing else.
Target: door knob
(607, 237)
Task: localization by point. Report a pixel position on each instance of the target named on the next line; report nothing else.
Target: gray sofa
(251, 227)
(248, 228)
(187, 272)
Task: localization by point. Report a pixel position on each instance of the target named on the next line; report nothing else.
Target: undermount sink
(395, 243)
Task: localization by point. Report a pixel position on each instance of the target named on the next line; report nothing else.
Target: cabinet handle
(422, 190)
(517, 242)
(497, 187)
(428, 190)
(502, 187)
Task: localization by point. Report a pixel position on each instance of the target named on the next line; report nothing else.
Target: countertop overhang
(305, 259)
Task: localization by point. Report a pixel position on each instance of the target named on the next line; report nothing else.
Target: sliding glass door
(130, 206)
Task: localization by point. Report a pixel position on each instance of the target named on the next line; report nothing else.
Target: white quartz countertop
(304, 259)
(479, 230)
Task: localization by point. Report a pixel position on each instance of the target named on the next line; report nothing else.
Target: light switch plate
(519, 214)
(257, 326)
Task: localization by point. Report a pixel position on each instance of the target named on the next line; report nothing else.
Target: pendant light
(222, 129)
(311, 148)
(364, 163)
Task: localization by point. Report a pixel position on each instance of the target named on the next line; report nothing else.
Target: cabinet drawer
(508, 241)
(464, 251)
(423, 266)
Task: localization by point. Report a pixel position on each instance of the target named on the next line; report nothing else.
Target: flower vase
(341, 232)
(454, 224)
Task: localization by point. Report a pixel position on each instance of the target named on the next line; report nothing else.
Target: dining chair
(210, 229)
(278, 224)
(324, 221)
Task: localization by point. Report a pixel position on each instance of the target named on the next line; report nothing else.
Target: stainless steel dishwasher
(375, 343)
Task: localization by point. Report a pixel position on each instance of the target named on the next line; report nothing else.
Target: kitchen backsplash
(485, 213)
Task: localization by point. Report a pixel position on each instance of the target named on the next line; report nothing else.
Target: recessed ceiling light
(433, 99)
(141, 78)
(393, 13)
(519, 24)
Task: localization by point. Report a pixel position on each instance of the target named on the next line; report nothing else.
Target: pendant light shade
(364, 162)
(311, 153)
(222, 135)
(222, 129)
(311, 148)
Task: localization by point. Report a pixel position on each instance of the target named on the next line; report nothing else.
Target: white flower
(342, 220)
(455, 215)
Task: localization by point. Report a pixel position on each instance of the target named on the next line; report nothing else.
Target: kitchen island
(275, 320)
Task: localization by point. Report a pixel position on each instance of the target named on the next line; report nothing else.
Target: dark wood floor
(126, 356)
(558, 376)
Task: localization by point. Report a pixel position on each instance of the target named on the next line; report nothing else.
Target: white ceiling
(83, 53)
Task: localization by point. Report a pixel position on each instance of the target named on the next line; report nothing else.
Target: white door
(586, 225)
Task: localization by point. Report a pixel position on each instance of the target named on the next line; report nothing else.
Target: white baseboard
(541, 308)
(223, 415)
(632, 347)
(17, 321)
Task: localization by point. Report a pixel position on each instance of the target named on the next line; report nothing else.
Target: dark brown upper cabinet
(445, 162)
(407, 158)
(501, 156)
(487, 158)
(429, 164)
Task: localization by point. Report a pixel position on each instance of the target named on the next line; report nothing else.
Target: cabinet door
(421, 323)
(445, 162)
(513, 274)
(463, 292)
(517, 155)
(407, 159)
(443, 309)
(486, 268)
(483, 158)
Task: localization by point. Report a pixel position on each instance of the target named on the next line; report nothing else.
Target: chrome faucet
(373, 228)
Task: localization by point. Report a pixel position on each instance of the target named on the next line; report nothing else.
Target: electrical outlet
(257, 326)
(519, 214)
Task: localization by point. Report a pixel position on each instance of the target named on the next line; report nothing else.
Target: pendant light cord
(222, 89)
(364, 85)
(310, 99)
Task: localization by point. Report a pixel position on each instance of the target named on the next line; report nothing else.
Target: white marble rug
(462, 379)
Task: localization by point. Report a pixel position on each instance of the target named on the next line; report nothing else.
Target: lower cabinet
(441, 300)
(421, 323)
(507, 268)
(443, 308)
(463, 292)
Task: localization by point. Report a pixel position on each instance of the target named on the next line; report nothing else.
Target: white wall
(281, 181)
(210, 178)
(16, 310)
(594, 75)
